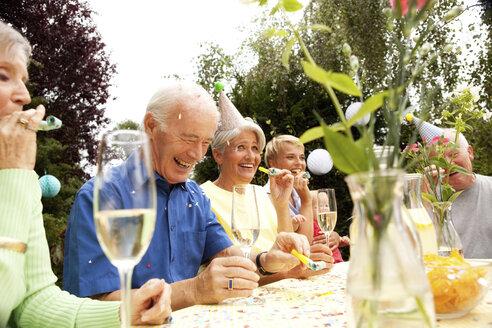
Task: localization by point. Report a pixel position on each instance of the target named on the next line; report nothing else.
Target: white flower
(438, 121)
(487, 115)
(475, 92)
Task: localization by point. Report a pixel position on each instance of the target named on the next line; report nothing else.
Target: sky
(150, 39)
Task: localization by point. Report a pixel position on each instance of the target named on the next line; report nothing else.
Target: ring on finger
(230, 285)
(22, 121)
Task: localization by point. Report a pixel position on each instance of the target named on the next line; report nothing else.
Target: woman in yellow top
(237, 152)
(236, 148)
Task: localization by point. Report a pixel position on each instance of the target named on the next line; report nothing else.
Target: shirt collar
(167, 185)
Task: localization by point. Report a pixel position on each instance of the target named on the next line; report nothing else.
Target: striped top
(28, 294)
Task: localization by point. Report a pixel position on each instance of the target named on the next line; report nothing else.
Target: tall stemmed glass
(326, 211)
(245, 224)
(124, 228)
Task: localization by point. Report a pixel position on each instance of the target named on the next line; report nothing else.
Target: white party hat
(427, 130)
(230, 117)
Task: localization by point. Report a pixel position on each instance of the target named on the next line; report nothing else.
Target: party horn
(315, 266)
(271, 171)
(51, 123)
(305, 175)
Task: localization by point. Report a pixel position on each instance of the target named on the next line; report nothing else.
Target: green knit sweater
(28, 294)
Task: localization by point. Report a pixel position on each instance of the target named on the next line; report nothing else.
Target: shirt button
(172, 228)
(172, 258)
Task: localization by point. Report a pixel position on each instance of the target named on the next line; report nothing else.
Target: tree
(70, 74)
(73, 71)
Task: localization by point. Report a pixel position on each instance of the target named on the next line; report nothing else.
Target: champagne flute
(124, 229)
(326, 211)
(245, 225)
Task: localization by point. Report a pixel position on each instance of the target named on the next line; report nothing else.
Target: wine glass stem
(246, 251)
(125, 279)
(327, 235)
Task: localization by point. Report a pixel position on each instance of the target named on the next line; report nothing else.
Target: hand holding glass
(124, 229)
(326, 211)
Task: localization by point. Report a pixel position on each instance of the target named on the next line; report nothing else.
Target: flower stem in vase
(386, 281)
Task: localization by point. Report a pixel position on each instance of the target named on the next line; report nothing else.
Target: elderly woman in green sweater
(29, 297)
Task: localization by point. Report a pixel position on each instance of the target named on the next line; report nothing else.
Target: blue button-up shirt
(186, 235)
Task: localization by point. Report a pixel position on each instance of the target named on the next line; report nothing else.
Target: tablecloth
(314, 302)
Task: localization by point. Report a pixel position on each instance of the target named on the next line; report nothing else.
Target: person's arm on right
(280, 190)
(301, 187)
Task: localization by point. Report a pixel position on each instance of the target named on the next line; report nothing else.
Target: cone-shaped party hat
(427, 130)
(230, 117)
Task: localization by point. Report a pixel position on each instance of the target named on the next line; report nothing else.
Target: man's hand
(211, 286)
(319, 252)
(279, 258)
(151, 303)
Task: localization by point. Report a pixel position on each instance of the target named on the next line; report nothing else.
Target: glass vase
(446, 235)
(386, 281)
(414, 211)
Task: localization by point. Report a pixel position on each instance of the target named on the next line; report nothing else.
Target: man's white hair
(451, 134)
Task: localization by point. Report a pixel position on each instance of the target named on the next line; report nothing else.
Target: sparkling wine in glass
(124, 228)
(326, 211)
(245, 224)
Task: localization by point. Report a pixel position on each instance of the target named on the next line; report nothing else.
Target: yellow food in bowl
(456, 284)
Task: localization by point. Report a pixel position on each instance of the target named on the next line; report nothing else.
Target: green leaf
(429, 198)
(275, 9)
(286, 53)
(455, 195)
(346, 155)
(370, 105)
(317, 27)
(314, 72)
(317, 132)
(263, 2)
(291, 5)
(269, 33)
(343, 83)
(311, 134)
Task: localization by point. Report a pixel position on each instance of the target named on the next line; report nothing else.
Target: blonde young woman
(284, 152)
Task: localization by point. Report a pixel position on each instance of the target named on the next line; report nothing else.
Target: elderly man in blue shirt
(181, 120)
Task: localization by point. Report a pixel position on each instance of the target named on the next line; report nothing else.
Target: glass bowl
(458, 288)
